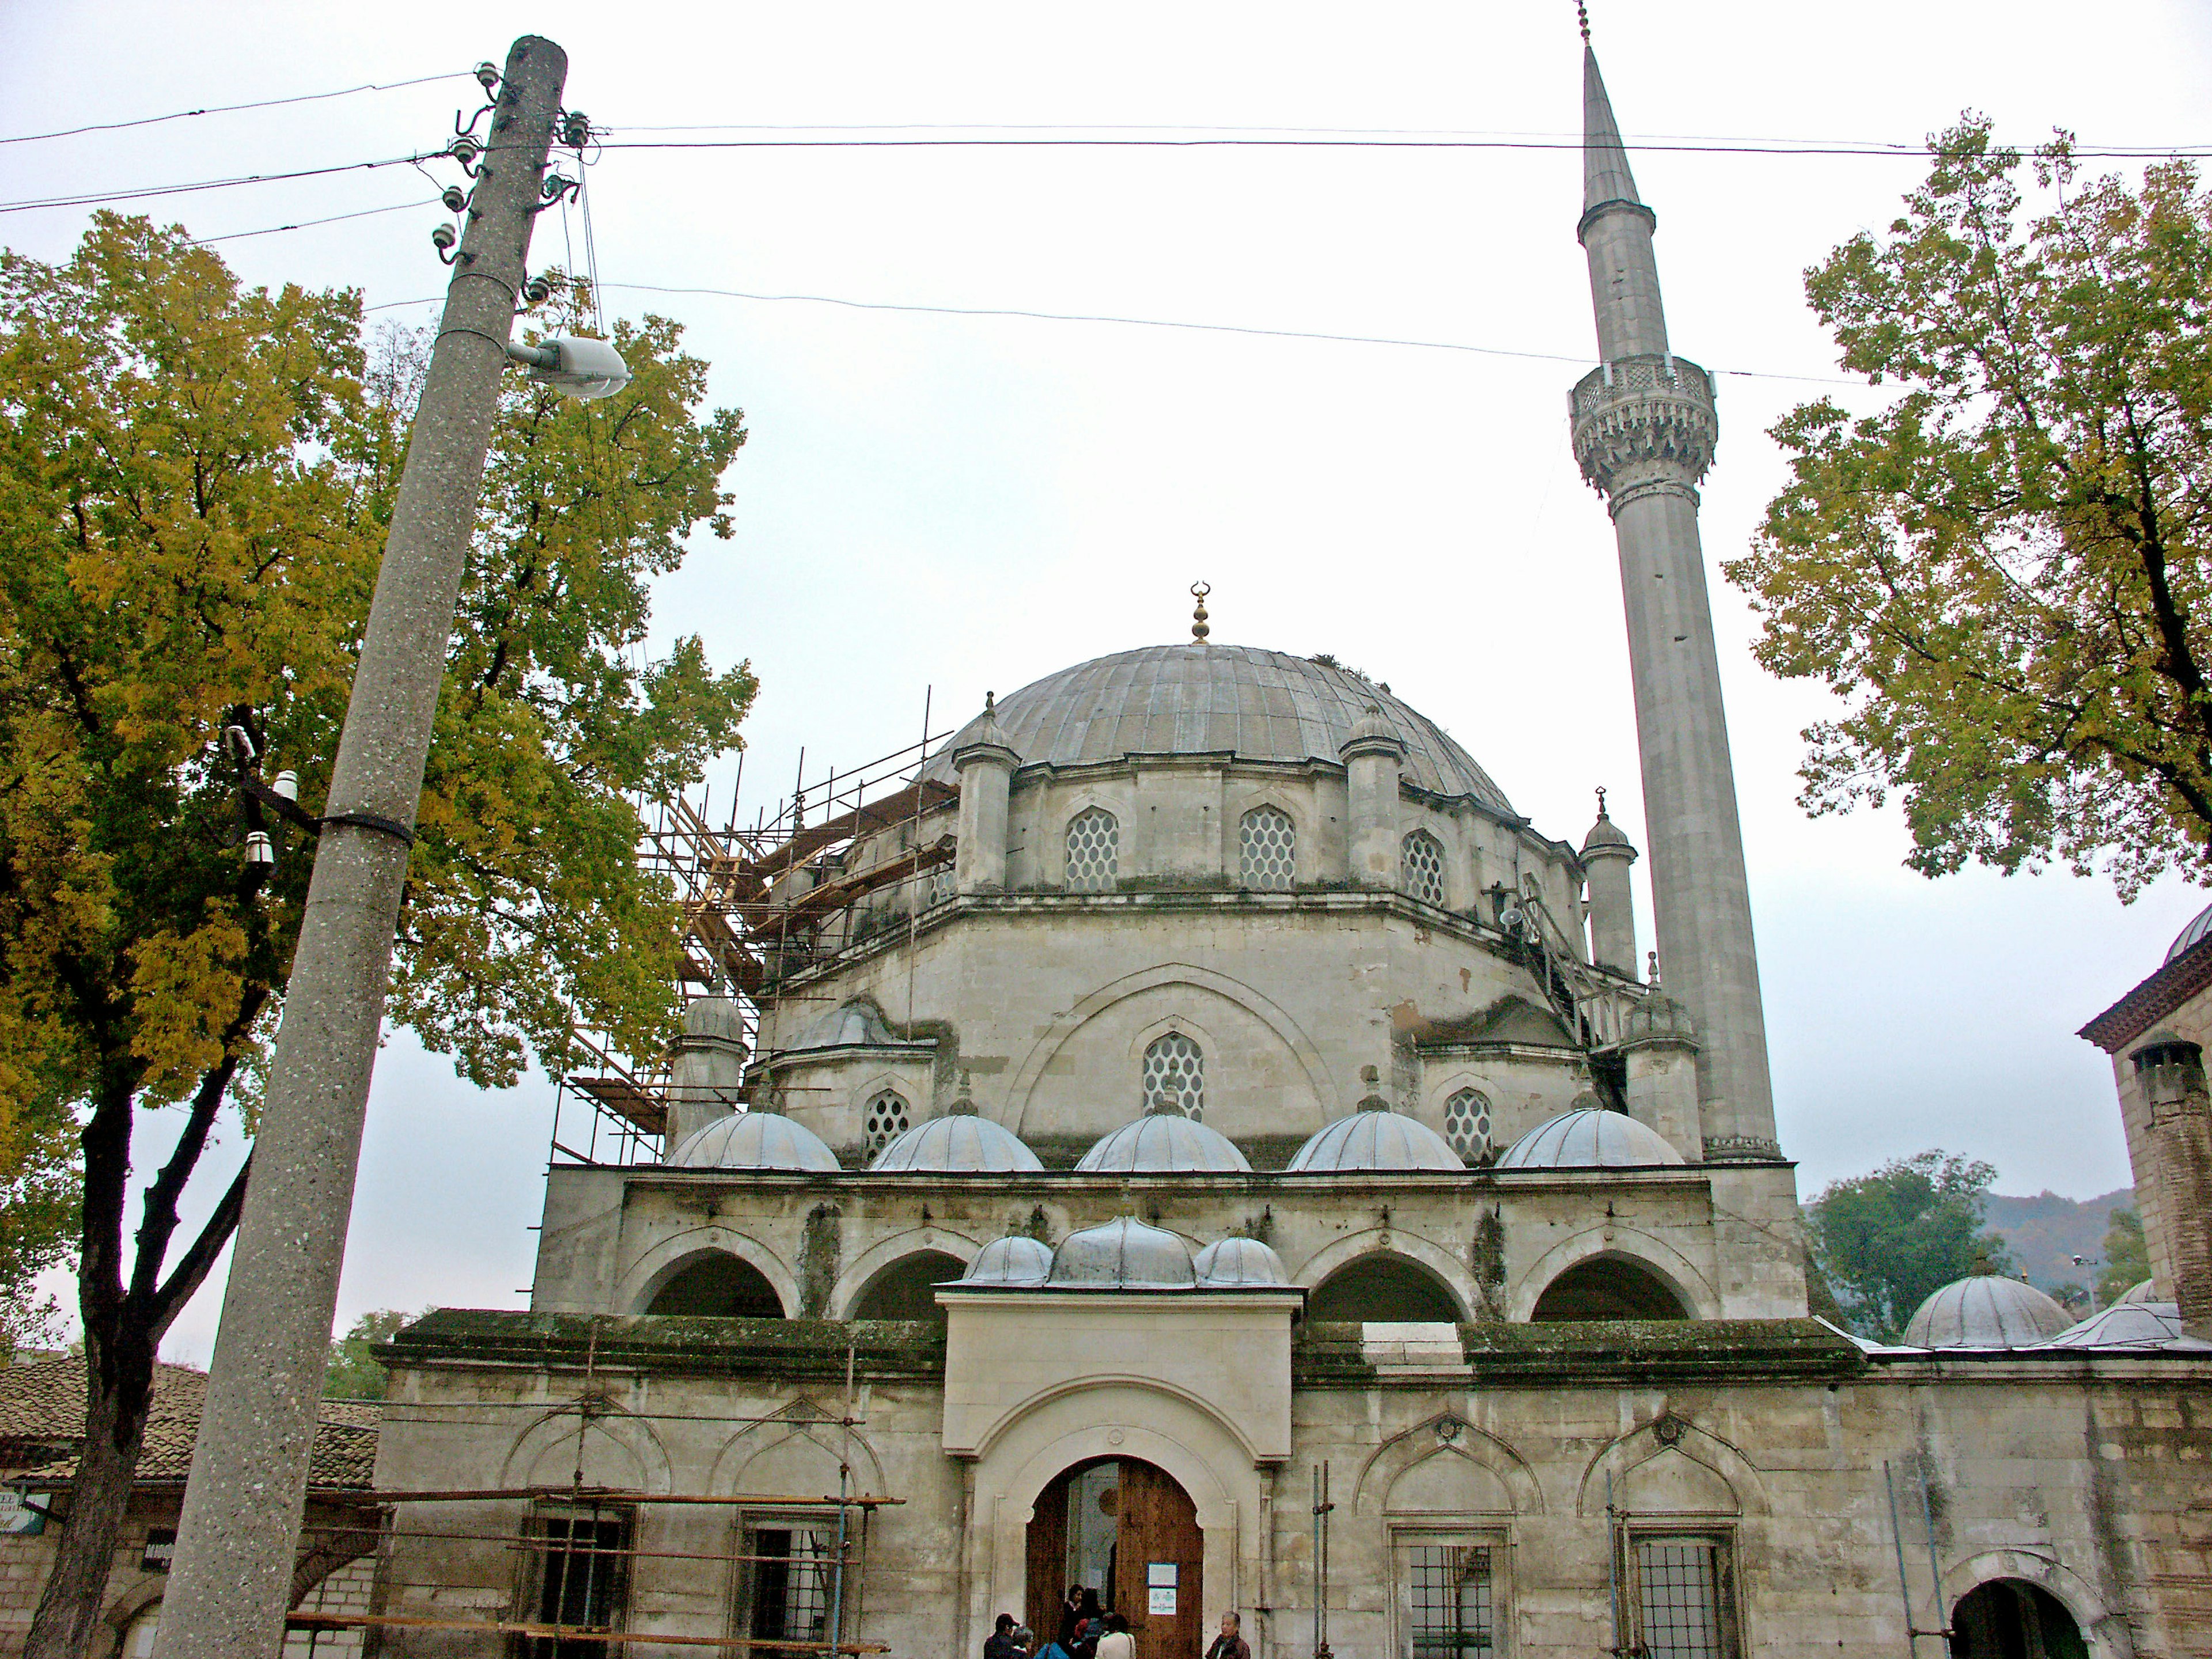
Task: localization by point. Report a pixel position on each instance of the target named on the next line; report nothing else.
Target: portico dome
(1126, 1254)
(1017, 1259)
(1374, 1138)
(1588, 1137)
(1236, 1264)
(1194, 698)
(960, 1142)
(1986, 1310)
(1162, 1143)
(755, 1140)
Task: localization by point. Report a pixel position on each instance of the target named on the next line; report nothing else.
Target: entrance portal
(2007, 1618)
(1127, 1530)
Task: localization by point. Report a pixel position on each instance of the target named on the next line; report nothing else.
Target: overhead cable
(229, 109)
(1639, 148)
(99, 198)
(308, 224)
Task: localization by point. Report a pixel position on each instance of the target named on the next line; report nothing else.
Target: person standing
(1117, 1642)
(1230, 1643)
(1001, 1644)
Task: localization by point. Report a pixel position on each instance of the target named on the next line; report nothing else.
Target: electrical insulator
(443, 237)
(464, 149)
(454, 199)
(538, 290)
(575, 129)
(487, 75)
(260, 851)
(286, 784)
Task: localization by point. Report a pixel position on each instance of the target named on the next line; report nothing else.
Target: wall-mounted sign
(22, 1513)
(1160, 1588)
(161, 1549)
(1162, 1599)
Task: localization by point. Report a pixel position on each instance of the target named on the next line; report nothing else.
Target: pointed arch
(1441, 1264)
(886, 1253)
(669, 1256)
(1445, 1435)
(1642, 1446)
(803, 1431)
(1675, 1270)
(618, 1450)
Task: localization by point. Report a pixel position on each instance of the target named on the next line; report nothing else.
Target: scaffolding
(834, 867)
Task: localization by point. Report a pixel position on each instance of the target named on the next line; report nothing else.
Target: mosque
(1248, 1167)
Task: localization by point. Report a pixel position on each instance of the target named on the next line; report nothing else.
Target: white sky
(947, 505)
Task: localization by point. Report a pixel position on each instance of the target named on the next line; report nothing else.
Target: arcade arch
(715, 1285)
(1607, 1287)
(1382, 1285)
(907, 1288)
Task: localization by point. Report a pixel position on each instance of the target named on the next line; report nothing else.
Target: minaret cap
(1605, 837)
(1606, 180)
(1199, 631)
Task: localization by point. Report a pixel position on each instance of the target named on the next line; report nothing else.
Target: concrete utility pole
(1644, 428)
(231, 1583)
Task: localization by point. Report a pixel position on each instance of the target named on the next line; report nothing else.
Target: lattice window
(1466, 1123)
(1269, 860)
(1094, 842)
(1421, 857)
(942, 885)
(1681, 1598)
(577, 1576)
(1175, 1077)
(886, 1121)
(788, 1588)
(1450, 1611)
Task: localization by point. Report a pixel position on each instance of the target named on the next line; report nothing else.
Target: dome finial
(1601, 802)
(1582, 16)
(1199, 631)
(1652, 956)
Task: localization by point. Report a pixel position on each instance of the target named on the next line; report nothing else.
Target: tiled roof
(2178, 979)
(42, 1406)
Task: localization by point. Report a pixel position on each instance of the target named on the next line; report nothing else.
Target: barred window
(1450, 1610)
(1269, 844)
(1421, 856)
(887, 1120)
(1682, 1597)
(1094, 840)
(787, 1587)
(942, 884)
(1466, 1123)
(1175, 1077)
(575, 1577)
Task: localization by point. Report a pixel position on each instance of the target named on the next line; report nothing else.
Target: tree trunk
(118, 1393)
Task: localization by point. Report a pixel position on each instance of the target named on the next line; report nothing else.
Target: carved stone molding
(1640, 420)
(1741, 1149)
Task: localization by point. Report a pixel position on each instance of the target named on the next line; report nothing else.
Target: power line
(99, 199)
(306, 224)
(229, 109)
(1895, 152)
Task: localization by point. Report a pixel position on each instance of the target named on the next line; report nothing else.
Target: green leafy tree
(1885, 1242)
(353, 1373)
(195, 479)
(2127, 1257)
(2003, 573)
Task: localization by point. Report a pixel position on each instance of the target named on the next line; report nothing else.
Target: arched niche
(715, 1285)
(1671, 1467)
(1399, 1474)
(907, 1288)
(642, 1281)
(1607, 1287)
(1382, 1285)
(616, 1451)
(2103, 1632)
(1654, 1254)
(2014, 1619)
(797, 1451)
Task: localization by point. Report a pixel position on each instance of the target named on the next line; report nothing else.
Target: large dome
(1162, 1143)
(1374, 1138)
(960, 1141)
(1588, 1137)
(1213, 699)
(755, 1140)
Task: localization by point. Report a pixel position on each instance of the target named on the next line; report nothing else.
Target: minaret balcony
(1639, 418)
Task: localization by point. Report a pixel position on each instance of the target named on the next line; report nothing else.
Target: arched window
(908, 1288)
(1094, 842)
(1175, 1077)
(1607, 1287)
(886, 1121)
(1421, 857)
(1466, 1123)
(1381, 1286)
(1269, 850)
(718, 1286)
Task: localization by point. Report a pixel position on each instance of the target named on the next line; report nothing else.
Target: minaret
(1644, 430)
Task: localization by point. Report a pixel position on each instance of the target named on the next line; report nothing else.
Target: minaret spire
(1644, 429)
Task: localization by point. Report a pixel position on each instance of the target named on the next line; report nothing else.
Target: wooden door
(1048, 1563)
(1159, 1539)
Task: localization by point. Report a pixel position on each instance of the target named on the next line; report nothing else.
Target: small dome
(2191, 935)
(857, 1024)
(1017, 1259)
(1236, 1264)
(1986, 1310)
(1374, 1138)
(2122, 1325)
(1162, 1143)
(1123, 1254)
(755, 1140)
(1588, 1137)
(957, 1143)
(715, 1017)
(2146, 1292)
(1605, 833)
(1657, 1018)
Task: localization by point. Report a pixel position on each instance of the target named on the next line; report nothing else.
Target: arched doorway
(718, 1286)
(2009, 1618)
(1383, 1287)
(908, 1288)
(1127, 1530)
(1607, 1287)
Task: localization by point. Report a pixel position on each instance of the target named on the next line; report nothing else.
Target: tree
(2127, 1257)
(1889, 1240)
(2004, 572)
(194, 482)
(353, 1373)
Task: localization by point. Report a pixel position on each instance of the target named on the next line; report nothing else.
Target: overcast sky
(934, 506)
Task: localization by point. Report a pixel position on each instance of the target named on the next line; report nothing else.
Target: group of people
(1087, 1631)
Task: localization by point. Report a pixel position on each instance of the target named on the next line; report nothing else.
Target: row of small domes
(1373, 1138)
(1126, 1254)
(1988, 1310)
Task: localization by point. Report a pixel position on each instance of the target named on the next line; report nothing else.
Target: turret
(1644, 430)
(985, 762)
(1373, 756)
(1606, 856)
(707, 1070)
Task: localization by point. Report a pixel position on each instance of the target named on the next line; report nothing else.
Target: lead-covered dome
(2123, 1325)
(1017, 1259)
(1986, 1310)
(2143, 1290)
(1374, 1138)
(1163, 1143)
(959, 1142)
(1238, 1264)
(1213, 699)
(1126, 1254)
(1588, 1137)
(2199, 925)
(755, 1140)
